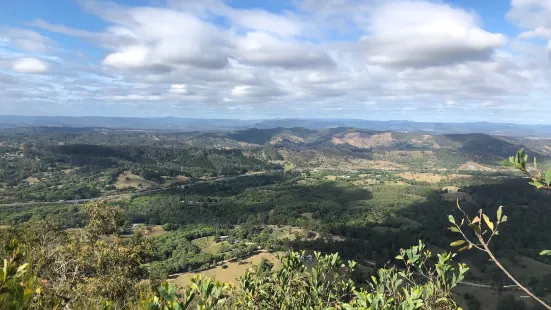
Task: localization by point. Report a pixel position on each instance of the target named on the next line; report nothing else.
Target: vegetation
(222, 197)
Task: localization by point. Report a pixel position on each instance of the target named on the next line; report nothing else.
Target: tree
(483, 229)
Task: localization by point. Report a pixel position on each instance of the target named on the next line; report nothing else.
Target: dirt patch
(422, 177)
(128, 179)
(289, 232)
(231, 273)
(365, 141)
(32, 180)
(286, 137)
(331, 177)
(150, 231)
(471, 165)
(450, 189)
(176, 179)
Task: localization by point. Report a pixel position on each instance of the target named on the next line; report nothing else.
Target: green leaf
(451, 219)
(454, 229)
(499, 213)
(535, 164)
(536, 184)
(507, 163)
(457, 243)
(463, 248)
(475, 228)
(488, 222)
(548, 177)
(504, 219)
(545, 252)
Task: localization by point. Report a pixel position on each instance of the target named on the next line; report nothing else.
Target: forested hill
(191, 124)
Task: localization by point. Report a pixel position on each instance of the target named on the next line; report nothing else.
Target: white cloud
(178, 89)
(420, 34)
(26, 39)
(241, 90)
(530, 13)
(30, 65)
(136, 97)
(132, 57)
(318, 57)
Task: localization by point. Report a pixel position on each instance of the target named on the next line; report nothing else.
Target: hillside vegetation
(215, 203)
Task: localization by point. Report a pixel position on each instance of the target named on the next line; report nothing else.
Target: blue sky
(421, 60)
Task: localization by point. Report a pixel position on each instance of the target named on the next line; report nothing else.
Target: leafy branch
(539, 180)
(484, 230)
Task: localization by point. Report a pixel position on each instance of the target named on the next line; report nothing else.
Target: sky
(419, 60)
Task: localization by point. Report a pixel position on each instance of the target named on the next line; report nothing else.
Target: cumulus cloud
(30, 65)
(26, 39)
(348, 58)
(178, 89)
(420, 34)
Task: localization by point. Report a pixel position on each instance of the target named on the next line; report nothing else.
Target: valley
(219, 203)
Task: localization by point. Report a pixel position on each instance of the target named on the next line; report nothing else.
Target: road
(137, 193)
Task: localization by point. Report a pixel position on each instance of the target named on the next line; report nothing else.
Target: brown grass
(286, 137)
(471, 165)
(32, 180)
(365, 141)
(231, 274)
(422, 177)
(451, 189)
(133, 181)
(176, 179)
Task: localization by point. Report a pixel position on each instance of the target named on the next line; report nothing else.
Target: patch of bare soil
(471, 165)
(287, 137)
(365, 141)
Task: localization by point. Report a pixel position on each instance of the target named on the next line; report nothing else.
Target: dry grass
(366, 141)
(285, 231)
(286, 137)
(471, 165)
(209, 244)
(451, 189)
(32, 180)
(151, 231)
(128, 179)
(422, 177)
(230, 274)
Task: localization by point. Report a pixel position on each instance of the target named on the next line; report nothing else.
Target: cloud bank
(395, 59)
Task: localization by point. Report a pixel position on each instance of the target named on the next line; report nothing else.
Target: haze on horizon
(435, 61)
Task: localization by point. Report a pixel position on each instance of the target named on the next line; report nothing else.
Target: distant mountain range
(190, 124)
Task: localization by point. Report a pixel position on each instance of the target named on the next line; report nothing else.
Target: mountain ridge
(195, 124)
